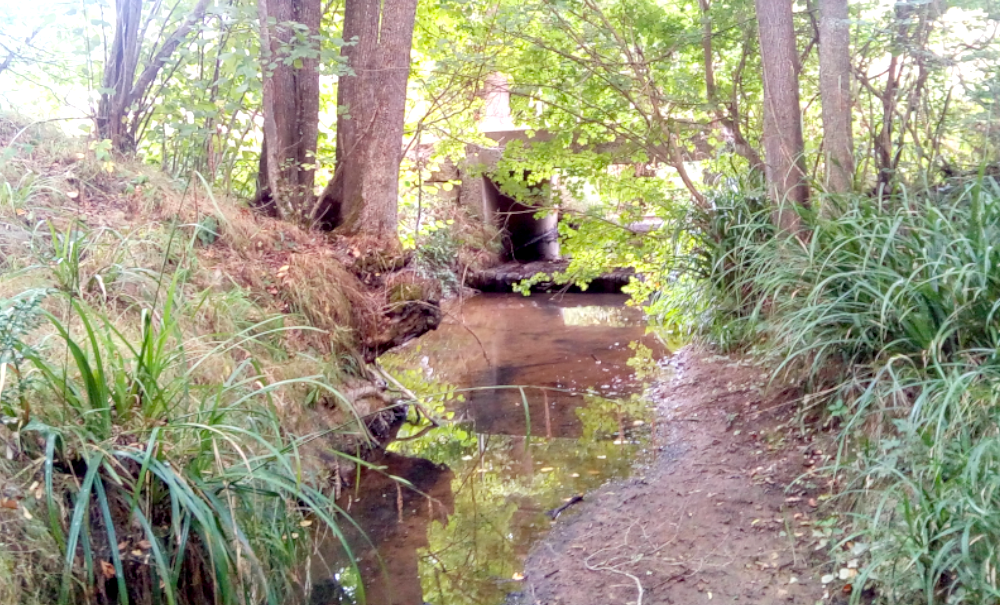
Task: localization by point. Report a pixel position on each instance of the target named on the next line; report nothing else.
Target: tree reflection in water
(469, 550)
(394, 505)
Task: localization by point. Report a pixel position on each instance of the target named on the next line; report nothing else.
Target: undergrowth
(157, 345)
(890, 310)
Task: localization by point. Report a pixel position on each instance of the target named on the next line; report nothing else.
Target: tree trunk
(783, 145)
(835, 92)
(362, 197)
(361, 21)
(124, 101)
(119, 72)
(291, 108)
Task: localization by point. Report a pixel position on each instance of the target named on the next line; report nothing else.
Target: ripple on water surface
(542, 397)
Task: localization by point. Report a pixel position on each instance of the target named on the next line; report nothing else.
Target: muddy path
(710, 519)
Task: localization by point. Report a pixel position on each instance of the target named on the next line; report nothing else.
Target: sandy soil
(711, 519)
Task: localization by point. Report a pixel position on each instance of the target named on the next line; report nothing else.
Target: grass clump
(155, 488)
(891, 310)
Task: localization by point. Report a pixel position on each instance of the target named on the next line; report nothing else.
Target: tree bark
(119, 111)
(783, 145)
(361, 31)
(119, 73)
(835, 93)
(291, 108)
(362, 198)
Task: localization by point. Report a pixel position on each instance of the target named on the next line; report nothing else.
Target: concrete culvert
(526, 237)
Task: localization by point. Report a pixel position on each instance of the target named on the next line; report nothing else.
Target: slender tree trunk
(124, 99)
(783, 144)
(362, 197)
(706, 48)
(119, 72)
(291, 109)
(727, 115)
(835, 93)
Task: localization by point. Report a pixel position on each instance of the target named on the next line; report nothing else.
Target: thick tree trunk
(362, 197)
(343, 193)
(783, 144)
(377, 213)
(291, 109)
(835, 92)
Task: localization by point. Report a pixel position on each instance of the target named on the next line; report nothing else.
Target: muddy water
(541, 397)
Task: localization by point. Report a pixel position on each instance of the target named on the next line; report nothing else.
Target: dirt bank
(710, 518)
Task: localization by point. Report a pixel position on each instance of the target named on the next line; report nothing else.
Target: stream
(541, 398)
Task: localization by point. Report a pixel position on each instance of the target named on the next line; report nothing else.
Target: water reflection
(566, 419)
(397, 501)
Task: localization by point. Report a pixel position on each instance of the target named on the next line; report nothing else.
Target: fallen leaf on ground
(107, 569)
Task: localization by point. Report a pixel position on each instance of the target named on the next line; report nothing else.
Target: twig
(415, 400)
(638, 584)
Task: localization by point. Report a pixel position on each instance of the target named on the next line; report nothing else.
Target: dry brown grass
(139, 229)
(336, 296)
(479, 242)
(129, 210)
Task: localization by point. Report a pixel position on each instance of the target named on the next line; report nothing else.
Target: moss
(406, 292)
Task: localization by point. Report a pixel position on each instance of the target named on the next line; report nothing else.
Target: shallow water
(542, 400)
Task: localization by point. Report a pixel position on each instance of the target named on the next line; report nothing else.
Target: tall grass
(157, 488)
(169, 375)
(891, 308)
